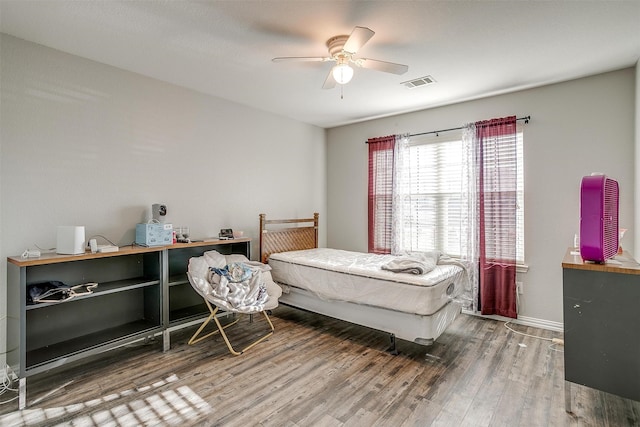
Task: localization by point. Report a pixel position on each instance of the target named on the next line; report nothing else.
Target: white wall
(83, 143)
(576, 128)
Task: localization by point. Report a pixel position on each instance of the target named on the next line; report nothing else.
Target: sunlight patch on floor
(168, 407)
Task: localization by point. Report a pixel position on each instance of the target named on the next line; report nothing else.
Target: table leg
(166, 340)
(567, 396)
(22, 393)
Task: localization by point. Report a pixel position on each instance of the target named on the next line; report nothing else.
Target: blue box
(154, 234)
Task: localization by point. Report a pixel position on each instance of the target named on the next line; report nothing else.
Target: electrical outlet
(520, 288)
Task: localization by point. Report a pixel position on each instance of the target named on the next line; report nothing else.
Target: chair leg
(259, 340)
(196, 338)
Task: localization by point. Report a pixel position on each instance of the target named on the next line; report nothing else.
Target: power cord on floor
(6, 384)
(554, 341)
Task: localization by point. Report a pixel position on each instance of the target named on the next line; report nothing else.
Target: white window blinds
(431, 200)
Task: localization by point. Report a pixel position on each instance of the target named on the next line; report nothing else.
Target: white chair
(233, 284)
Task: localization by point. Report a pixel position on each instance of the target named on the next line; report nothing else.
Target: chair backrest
(207, 276)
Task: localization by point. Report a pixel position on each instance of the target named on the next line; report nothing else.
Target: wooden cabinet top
(207, 242)
(53, 258)
(623, 263)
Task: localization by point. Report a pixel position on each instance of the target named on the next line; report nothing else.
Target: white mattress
(338, 275)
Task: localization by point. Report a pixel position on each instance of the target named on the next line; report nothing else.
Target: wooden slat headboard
(275, 236)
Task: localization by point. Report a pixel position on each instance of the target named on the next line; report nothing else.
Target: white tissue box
(154, 234)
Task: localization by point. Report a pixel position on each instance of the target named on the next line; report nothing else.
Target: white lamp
(342, 73)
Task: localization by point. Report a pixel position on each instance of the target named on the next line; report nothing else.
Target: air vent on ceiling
(422, 81)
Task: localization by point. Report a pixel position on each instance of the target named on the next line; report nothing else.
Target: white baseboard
(524, 320)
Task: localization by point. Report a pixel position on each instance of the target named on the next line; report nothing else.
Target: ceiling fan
(342, 50)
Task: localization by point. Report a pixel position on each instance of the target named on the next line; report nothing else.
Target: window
(431, 207)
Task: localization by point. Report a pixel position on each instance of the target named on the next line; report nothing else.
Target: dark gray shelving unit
(126, 306)
(141, 292)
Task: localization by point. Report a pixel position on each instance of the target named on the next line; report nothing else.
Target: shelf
(141, 292)
(188, 314)
(209, 242)
(53, 258)
(179, 279)
(103, 289)
(90, 343)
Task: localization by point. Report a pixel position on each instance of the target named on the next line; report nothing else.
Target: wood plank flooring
(318, 371)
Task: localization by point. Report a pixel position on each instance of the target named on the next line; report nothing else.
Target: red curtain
(497, 215)
(380, 193)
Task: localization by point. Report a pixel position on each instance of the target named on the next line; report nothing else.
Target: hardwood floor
(317, 371)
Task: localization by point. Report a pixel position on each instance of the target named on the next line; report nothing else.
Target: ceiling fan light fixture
(342, 73)
(342, 51)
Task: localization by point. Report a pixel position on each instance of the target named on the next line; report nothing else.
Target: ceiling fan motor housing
(336, 45)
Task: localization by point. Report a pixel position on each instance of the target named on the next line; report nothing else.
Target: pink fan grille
(599, 206)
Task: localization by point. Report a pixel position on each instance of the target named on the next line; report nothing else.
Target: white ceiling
(224, 48)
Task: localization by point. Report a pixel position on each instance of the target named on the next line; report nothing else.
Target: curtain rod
(526, 120)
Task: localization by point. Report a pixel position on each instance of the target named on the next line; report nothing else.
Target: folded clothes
(413, 262)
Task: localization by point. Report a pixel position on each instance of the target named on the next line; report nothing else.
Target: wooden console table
(602, 325)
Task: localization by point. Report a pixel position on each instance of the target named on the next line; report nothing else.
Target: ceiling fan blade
(302, 59)
(329, 82)
(359, 36)
(387, 67)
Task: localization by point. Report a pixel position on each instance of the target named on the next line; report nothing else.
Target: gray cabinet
(601, 325)
(141, 292)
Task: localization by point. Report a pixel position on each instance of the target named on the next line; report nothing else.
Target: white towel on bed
(413, 262)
